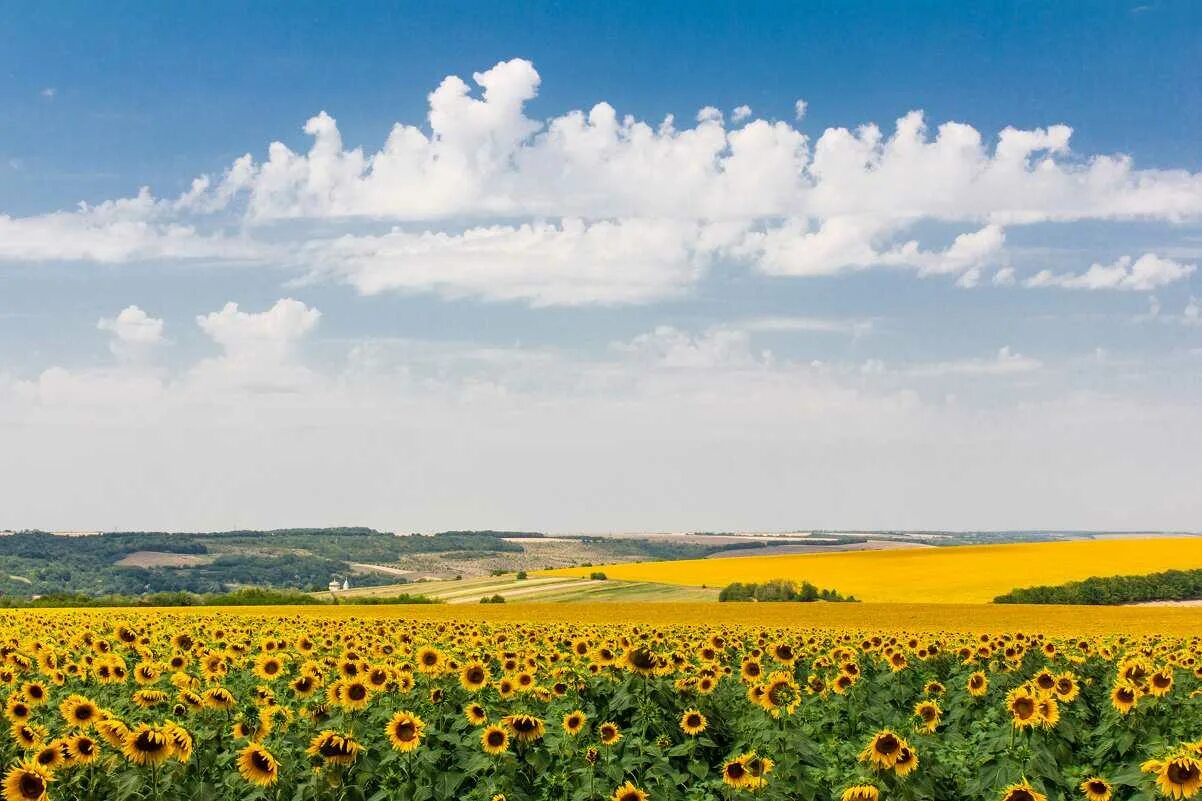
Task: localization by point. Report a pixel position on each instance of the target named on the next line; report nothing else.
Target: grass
(973, 574)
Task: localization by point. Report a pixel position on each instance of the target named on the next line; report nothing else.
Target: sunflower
(405, 731)
(1049, 712)
(494, 740)
(82, 749)
(29, 735)
(1124, 697)
(978, 684)
(1024, 708)
(378, 677)
(1160, 683)
(525, 728)
(609, 733)
(114, 732)
(219, 698)
(1022, 792)
(573, 722)
(334, 748)
(1096, 789)
(17, 710)
(304, 686)
(269, 667)
(928, 712)
(355, 695)
(906, 762)
(429, 660)
(1067, 688)
(146, 745)
(883, 750)
(149, 698)
(26, 782)
(781, 693)
(628, 792)
(861, 792)
(51, 757)
(692, 722)
(1180, 777)
(181, 741)
(474, 676)
(641, 660)
(758, 768)
(751, 669)
(35, 692)
(784, 653)
(258, 766)
(475, 714)
(734, 773)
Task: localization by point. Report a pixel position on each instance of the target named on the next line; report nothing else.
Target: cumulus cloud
(257, 347)
(483, 200)
(1144, 274)
(134, 332)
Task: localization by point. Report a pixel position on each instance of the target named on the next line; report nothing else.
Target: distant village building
(334, 585)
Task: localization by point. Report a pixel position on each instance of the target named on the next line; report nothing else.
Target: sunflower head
(692, 722)
(573, 722)
(257, 765)
(1096, 789)
(405, 731)
(1022, 792)
(628, 792)
(26, 781)
(494, 740)
(861, 792)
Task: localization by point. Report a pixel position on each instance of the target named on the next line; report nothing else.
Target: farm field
(613, 702)
(543, 589)
(958, 574)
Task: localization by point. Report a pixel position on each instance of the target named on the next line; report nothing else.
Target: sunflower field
(148, 704)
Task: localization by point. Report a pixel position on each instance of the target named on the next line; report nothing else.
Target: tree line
(780, 590)
(1171, 585)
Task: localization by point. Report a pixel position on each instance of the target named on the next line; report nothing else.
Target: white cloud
(1193, 312)
(123, 230)
(1004, 277)
(49, 92)
(258, 347)
(1145, 274)
(799, 110)
(135, 333)
(1006, 362)
(482, 183)
(671, 347)
(620, 261)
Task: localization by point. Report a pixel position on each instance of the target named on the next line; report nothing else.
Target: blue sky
(761, 315)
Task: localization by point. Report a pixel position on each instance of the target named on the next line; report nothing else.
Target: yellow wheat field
(972, 574)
